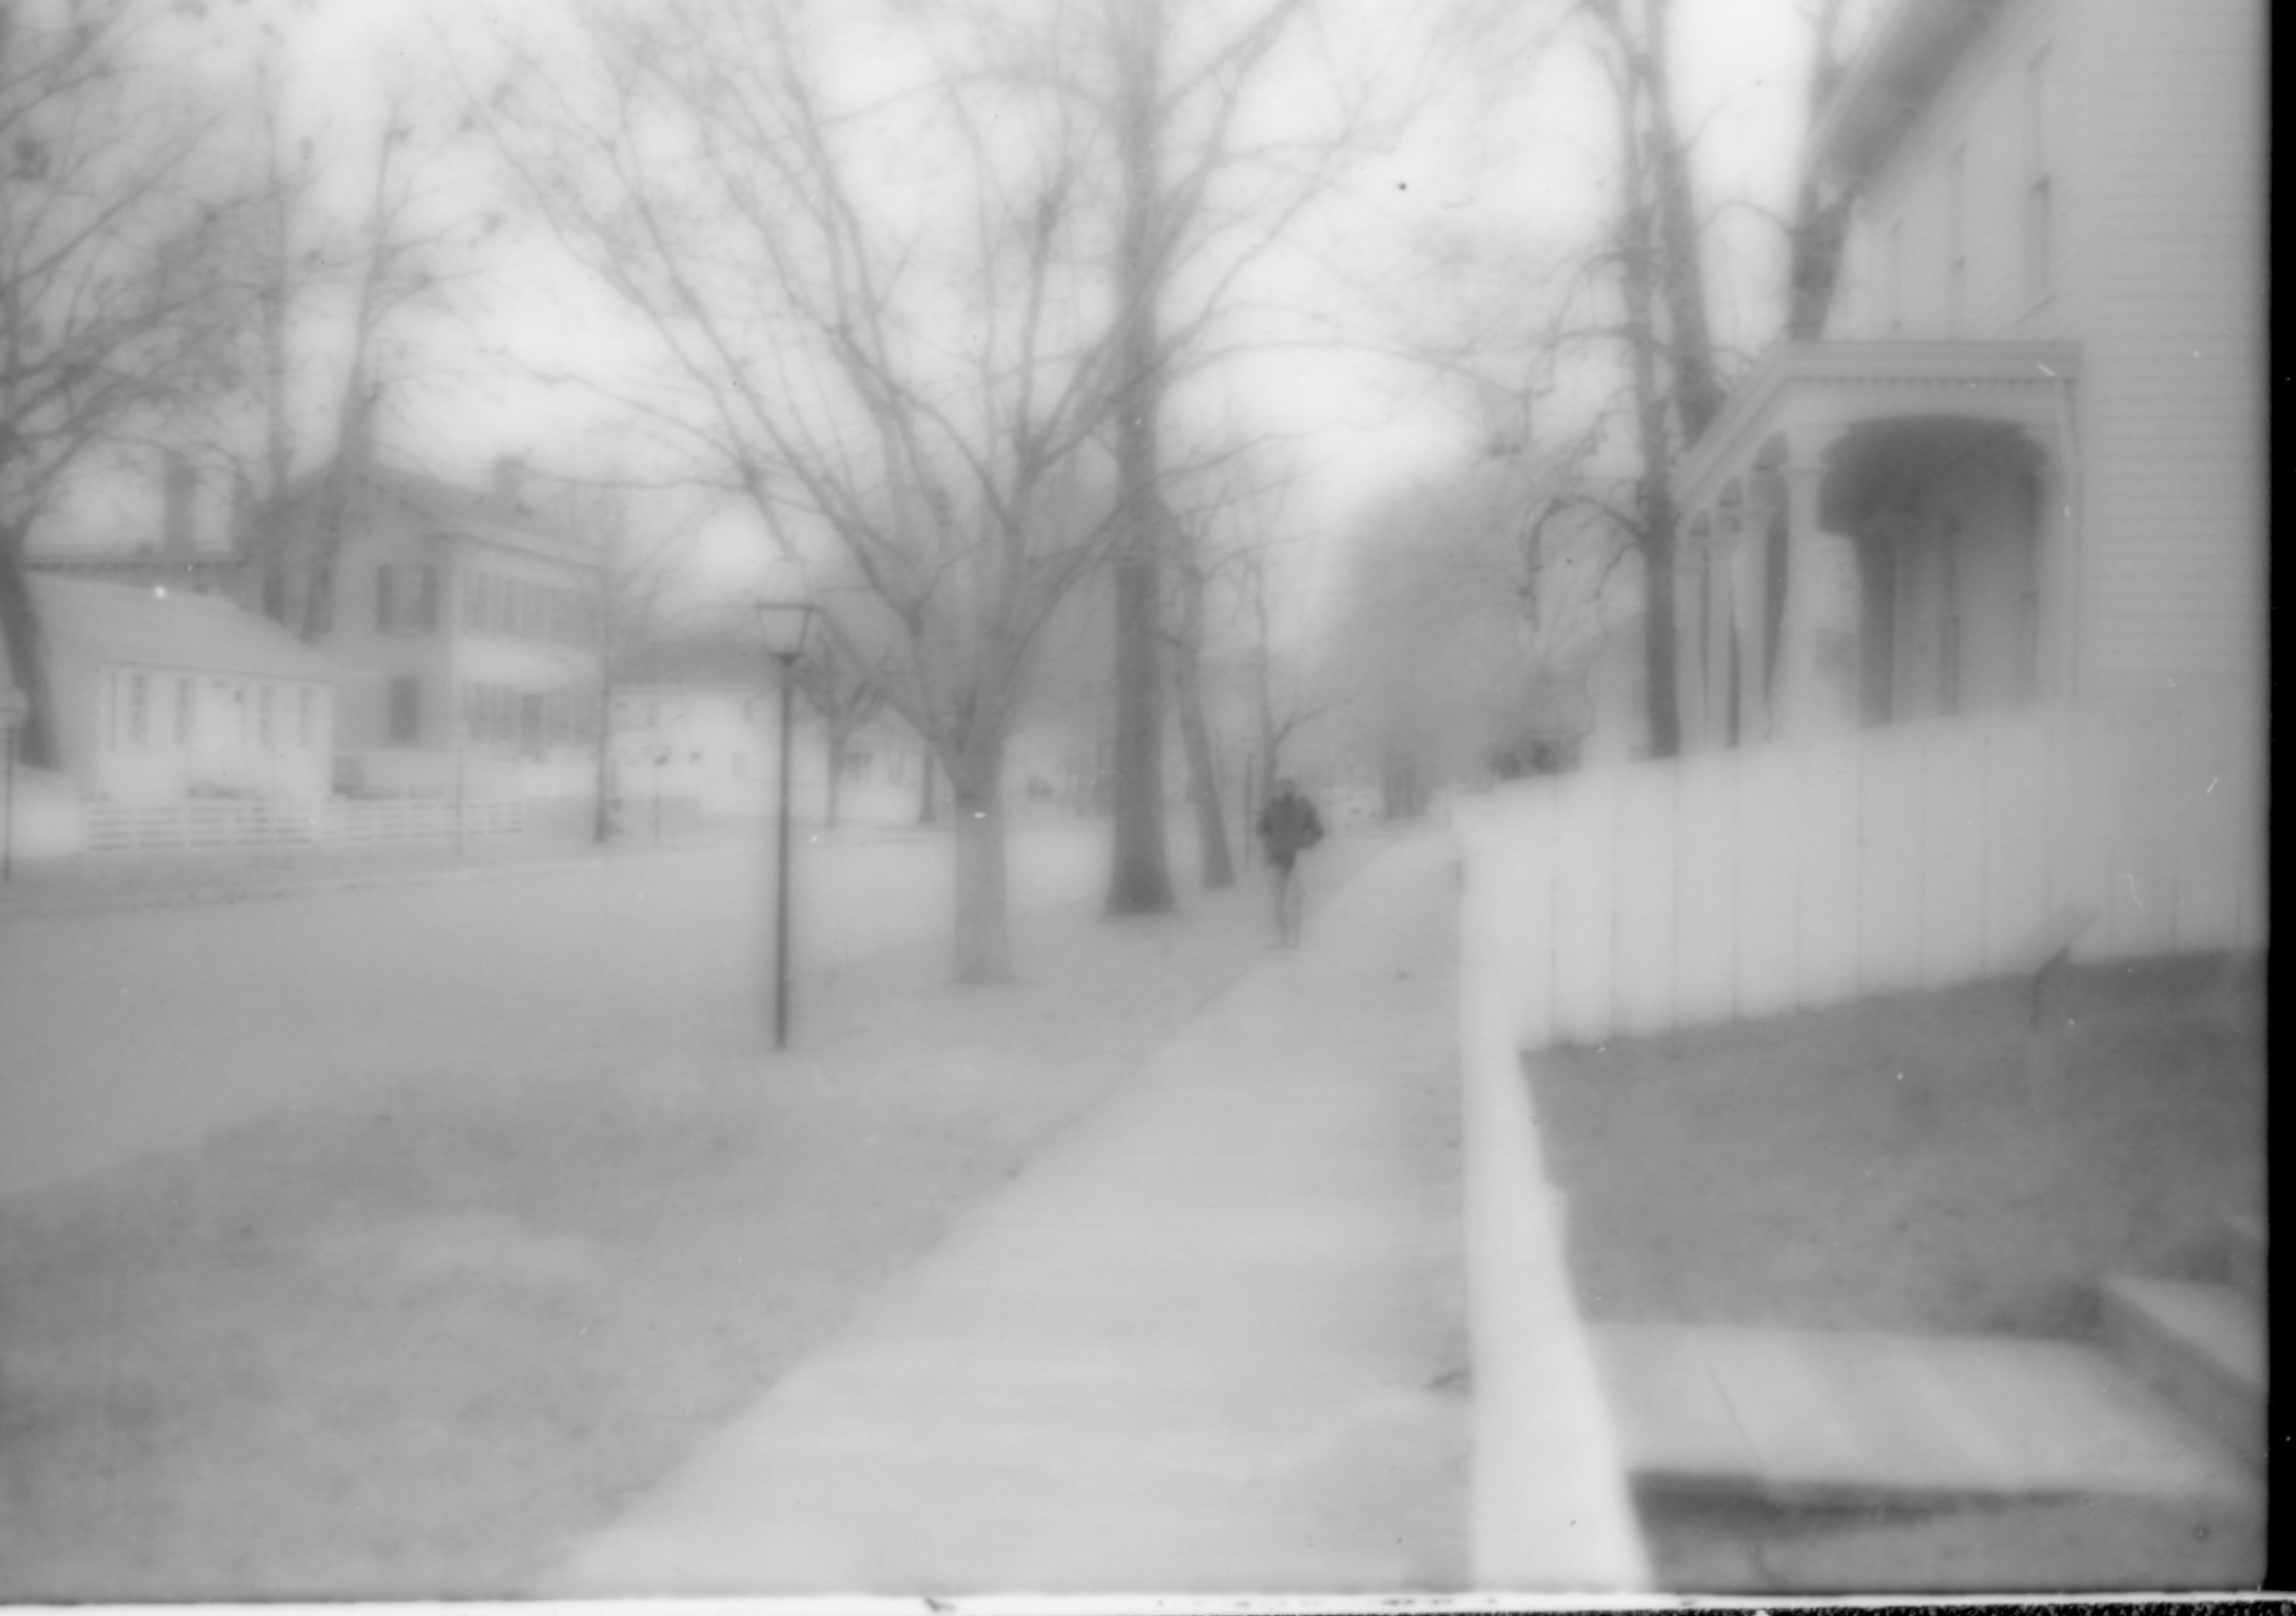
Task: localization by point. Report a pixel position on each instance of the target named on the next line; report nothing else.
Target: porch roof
(1830, 386)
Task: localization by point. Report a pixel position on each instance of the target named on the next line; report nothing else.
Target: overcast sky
(1531, 165)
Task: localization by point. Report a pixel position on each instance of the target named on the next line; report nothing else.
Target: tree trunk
(1680, 272)
(38, 744)
(1659, 650)
(1140, 880)
(1203, 780)
(927, 814)
(1196, 735)
(1641, 239)
(833, 788)
(984, 945)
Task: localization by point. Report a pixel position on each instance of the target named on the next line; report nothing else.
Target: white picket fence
(1732, 884)
(252, 822)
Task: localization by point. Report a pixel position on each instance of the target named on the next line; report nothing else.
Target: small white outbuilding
(162, 696)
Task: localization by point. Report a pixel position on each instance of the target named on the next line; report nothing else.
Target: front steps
(2201, 1346)
(2171, 1407)
(1799, 1417)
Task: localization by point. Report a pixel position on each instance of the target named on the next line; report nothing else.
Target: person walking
(1289, 826)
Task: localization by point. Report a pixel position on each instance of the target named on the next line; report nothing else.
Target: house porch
(1877, 532)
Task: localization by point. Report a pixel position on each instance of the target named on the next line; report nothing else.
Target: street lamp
(15, 707)
(786, 616)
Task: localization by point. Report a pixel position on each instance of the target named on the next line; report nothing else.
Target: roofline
(1915, 45)
(1901, 363)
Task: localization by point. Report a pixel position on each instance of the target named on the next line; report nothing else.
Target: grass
(1925, 1164)
(416, 1343)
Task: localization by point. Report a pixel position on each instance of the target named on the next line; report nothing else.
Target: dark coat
(1287, 826)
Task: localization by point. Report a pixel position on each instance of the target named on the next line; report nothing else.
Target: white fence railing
(1548, 1498)
(1748, 882)
(251, 821)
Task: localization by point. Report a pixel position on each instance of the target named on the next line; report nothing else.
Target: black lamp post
(787, 617)
(15, 707)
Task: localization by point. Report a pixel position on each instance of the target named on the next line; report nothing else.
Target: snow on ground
(127, 1030)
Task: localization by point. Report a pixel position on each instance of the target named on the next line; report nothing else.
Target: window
(474, 603)
(405, 710)
(183, 689)
(2040, 199)
(1956, 245)
(139, 701)
(263, 730)
(303, 718)
(407, 598)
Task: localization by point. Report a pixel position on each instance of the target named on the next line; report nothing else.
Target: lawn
(416, 1342)
(1918, 1163)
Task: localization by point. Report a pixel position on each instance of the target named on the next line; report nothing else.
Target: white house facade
(470, 620)
(2030, 464)
(162, 697)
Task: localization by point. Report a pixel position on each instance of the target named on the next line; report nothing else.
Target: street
(129, 1031)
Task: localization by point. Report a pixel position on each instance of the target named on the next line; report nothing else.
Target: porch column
(1797, 707)
(1749, 596)
(1690, 564)
(1721, 564)
(2055, 576)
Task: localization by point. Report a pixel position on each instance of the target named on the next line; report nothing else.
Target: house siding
(2174, 396)
(1980, 112)
(2156, 140)
(451, 667)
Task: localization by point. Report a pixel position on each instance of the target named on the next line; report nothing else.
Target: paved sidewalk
(1209, 1342)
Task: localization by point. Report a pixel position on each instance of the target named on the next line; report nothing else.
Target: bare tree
(110, 302)
(904, 370)
(335, 271)
(1189, 631)
(1180, 103)
(1641, 292)
(1819, 230)
(1231, 512)
(1474, 609)
(639, 568)
(847, 693)
(1286, 695)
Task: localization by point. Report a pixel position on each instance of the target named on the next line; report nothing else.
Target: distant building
(695, 725)
(2031, 465)
(471, 618)
(162, 696)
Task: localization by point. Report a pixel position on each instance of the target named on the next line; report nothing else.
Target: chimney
(178, 514)
(510, 482)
